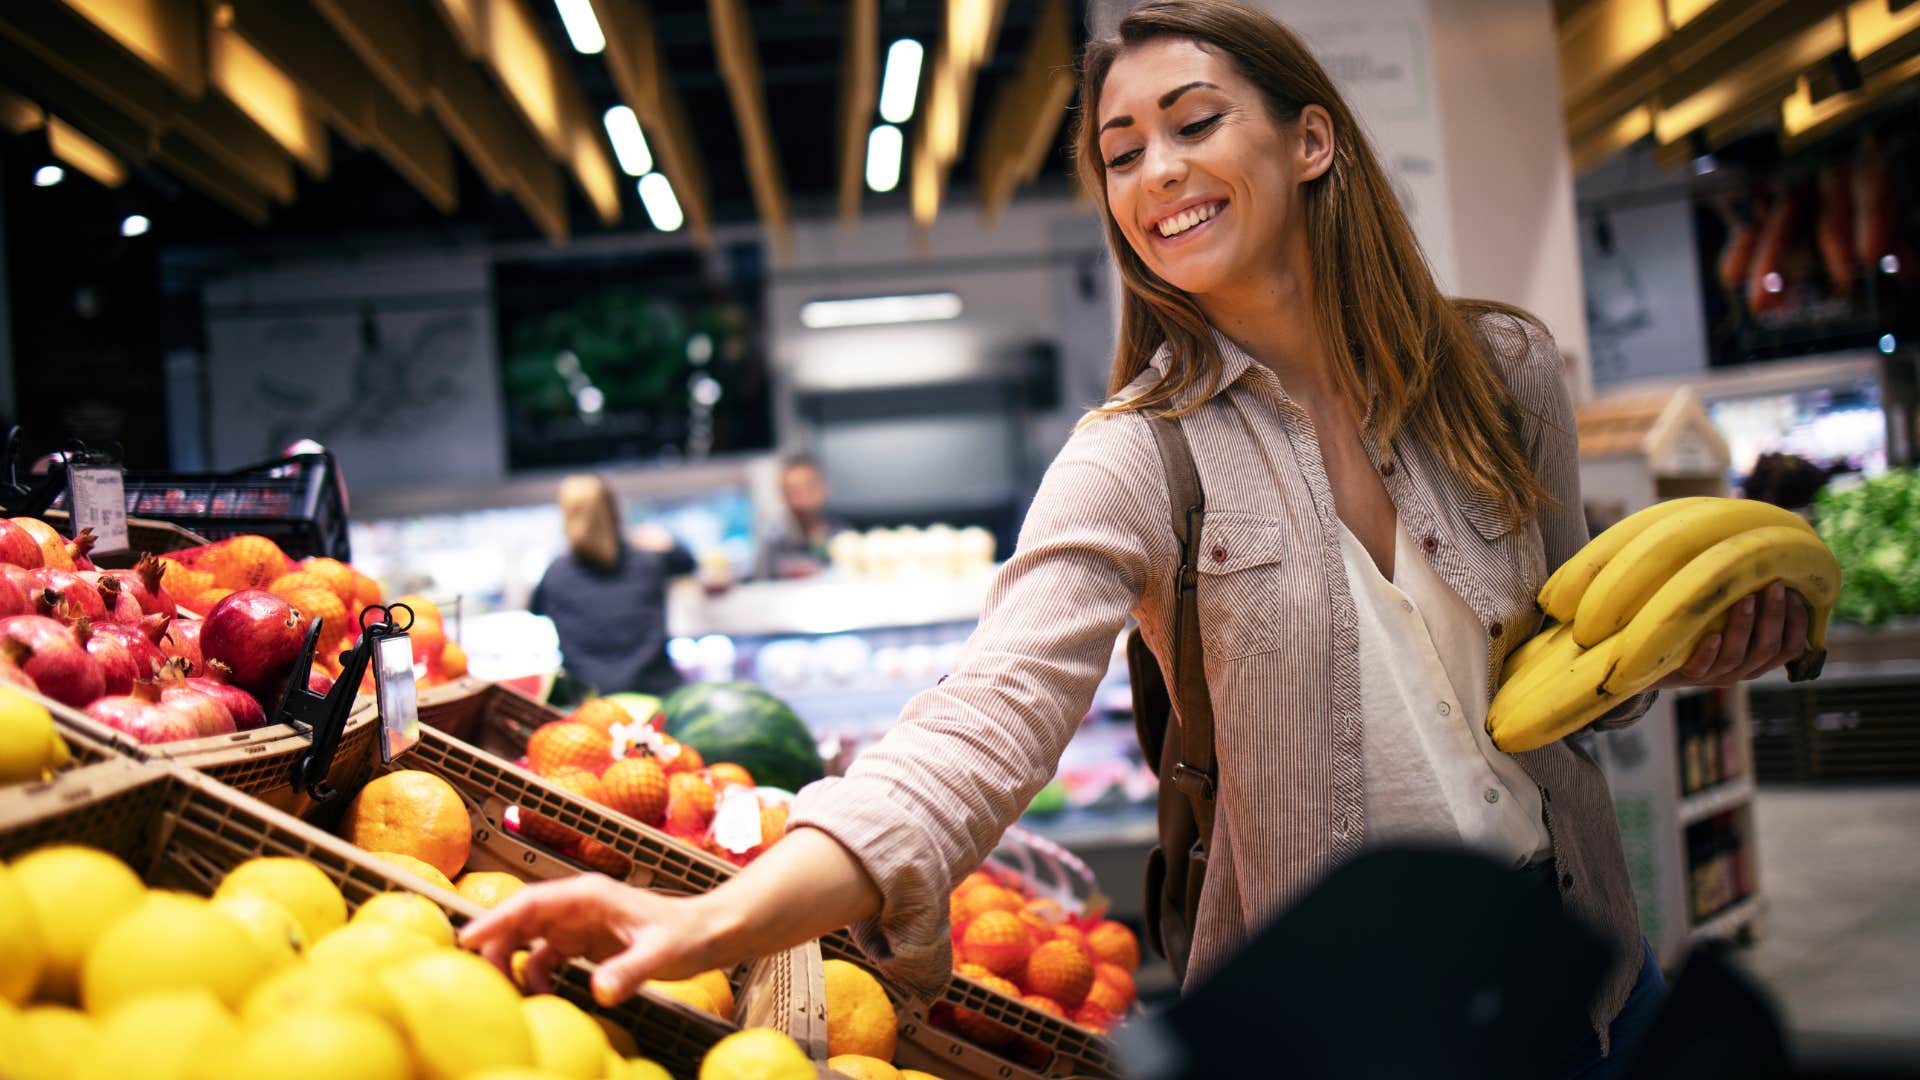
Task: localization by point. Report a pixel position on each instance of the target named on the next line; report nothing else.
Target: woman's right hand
(631, 934)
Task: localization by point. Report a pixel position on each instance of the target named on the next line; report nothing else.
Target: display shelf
(828, 604)
(1717, 799)
(1741, 915)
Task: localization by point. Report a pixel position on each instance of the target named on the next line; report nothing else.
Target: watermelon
(741, 723)
(642, 707)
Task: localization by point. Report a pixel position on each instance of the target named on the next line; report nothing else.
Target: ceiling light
(883, 158)
(656, 193)
(583, 29)
(1889, 264)
(48, 175)
(1887, 344)
(901, 81)
(877, 310)
(1773, 282)
(134, 225)
(1703, 160)
(629, 144)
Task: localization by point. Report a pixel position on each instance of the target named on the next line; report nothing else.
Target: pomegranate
(13, 598)
(209, 710)
(143, 715)
(53, 657)
(154, 628)
(257, 634)
(121, 605)
(66, 595)
(117, 665)
(18, 547)
(79, 547)
(143, 584)
(11, 675)
(53, 546)
(246, 710)
(182, 639)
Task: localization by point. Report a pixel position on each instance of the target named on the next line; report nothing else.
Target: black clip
(325, 716)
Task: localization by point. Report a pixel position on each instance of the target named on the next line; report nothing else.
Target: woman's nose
(1165, 170)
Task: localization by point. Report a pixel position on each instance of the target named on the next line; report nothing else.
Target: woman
(1360, 439)
(608, 598)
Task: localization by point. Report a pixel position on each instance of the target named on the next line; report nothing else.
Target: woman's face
(1203, 181)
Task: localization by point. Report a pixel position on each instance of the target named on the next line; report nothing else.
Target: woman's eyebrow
(1166, 102)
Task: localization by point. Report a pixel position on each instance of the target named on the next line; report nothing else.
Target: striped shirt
(925, 805)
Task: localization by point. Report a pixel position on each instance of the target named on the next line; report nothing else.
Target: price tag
(399, 705)
(736, 824)
(98, 499)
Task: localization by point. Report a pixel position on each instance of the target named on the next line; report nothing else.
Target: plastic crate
(181, 830)
(487, 715)
(297, 502)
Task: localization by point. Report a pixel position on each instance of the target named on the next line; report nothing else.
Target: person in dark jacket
(607, 596)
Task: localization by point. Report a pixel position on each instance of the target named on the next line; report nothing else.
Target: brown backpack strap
(1194, 771)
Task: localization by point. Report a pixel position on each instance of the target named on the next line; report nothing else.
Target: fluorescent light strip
(629, 144)
(880, 310)
(901, 82)
(583, 28)
(663, 209)
(883, 157)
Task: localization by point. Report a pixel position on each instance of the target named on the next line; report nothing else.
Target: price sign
(98, 498)
(399, 703)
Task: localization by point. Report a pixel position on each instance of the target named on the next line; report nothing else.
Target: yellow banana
(1638, 570)
(1663, 635)
(1560, 596)
(1532, 712)
(1546, 651)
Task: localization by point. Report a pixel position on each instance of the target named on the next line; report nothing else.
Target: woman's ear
(1315, 147)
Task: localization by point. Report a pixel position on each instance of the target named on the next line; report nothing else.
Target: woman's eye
(1120, 161)
(1199, 127)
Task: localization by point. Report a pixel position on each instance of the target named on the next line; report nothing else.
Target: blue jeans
(1627, 1030)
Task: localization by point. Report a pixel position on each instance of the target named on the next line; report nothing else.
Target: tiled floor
(1840, 868)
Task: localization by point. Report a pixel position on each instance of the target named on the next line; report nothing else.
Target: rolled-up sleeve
(925, 805)
(1555, 443)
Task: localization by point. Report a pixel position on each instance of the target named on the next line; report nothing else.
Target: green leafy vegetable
(1874, 530)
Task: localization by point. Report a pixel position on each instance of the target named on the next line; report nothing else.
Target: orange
(1038, 929)
(606, 860)
(860, 1017)
(862, 1067)
(972, 1025)
(1118, 979)
(413, 813)
(417, 868)
(680, 758)
(488, 887)
(1059, 970)
(1070, 932)
(636, 787)
(1092, 1015)
(690, 804)
(245, 562)
(568, 744)
(453, 660)
(1050, 910)
(997, 941)
(984, 898)
(1045, 1004)
(1111, 943)
(366, 591)
(600, 714)
(977, 878)
(725, 773)
(338, 576)
(319, 603)
(424, 610)
(559, 837)
(295, 580)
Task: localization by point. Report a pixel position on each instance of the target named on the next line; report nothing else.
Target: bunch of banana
(1630, 608)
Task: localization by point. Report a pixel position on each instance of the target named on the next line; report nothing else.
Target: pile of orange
(1074, 967)
(417, 821)
(657, 781)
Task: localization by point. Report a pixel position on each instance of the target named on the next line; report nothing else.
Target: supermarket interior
(458, 444)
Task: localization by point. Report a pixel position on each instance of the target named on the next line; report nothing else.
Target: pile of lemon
(102, 977)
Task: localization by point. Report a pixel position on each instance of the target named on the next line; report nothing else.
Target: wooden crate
(484, 714)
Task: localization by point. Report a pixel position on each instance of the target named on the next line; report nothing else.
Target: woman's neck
(1271, 318)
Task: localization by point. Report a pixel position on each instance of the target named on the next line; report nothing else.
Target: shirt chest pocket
(1253, 585)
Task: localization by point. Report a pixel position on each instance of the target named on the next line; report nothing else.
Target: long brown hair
(590, 515)
(1381, 314)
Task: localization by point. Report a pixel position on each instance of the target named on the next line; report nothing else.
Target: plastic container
(487, 715)
(297, 502)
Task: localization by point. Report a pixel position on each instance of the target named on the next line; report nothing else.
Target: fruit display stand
(1682, 777)
(488, 715)
(181, 830)
(144, 535)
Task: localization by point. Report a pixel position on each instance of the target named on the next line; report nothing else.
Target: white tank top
(1432, 772)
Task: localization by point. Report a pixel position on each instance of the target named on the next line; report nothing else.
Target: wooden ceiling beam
(20, 114)
(268, 97)
(169, 36)
(740, 66)
(386, 36)
(972, 27)
(58, 94)
(190, 162)
(61, 39)
(859, 90)
(638, 64)
(72, 146)
(1026, 119)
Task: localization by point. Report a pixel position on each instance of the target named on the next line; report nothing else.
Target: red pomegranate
(145, 716)
(320, 682)
(66, 596)
(246, 710)
(53, 657)
(182, 639)
(117, 664)
(80, 546)
(18, 547)
(257, 634)
(139, 643)
(11, 675)
(143, 584)
(122, 607)
(209, 710)
(13, 598)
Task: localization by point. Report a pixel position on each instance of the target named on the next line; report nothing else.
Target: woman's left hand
(1763, 631)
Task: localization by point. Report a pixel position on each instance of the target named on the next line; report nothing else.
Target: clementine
(413, 813)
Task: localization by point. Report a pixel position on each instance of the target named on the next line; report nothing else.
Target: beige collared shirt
(927, 803)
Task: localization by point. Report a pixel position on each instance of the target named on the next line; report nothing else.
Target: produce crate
(484, 714)
(183, 830)
(258, 762)
(144, 536)
(295, 501)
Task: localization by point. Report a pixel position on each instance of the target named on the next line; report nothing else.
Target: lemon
(76, 892)
(421, 869)
(60, 1030)
(619, 1038)
(28, 741)
(177, 1035)
(756, 1054)
(636, 1068)
(565, 1040)
(305, 988)
(860, 1016)
(23, 948)
(273, 928)
(366, 946)
(172, 941)
(685, 991)
(514, 1072)
(717, 987)
(460, 1014)
(916, 1074)
(323, 1046)
(488, 887)
(862, 1067)
(294, 884)
(407, 911)
(24, 1058)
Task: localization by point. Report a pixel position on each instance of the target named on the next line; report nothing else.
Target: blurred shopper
(1389, 475)
(796, 545)
(607, 596)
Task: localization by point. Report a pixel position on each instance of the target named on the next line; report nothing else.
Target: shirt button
(1387, 469)
(1430, 544)
(1446, 709)
(1219, 553)
(1406, 605)
(1491, 795)
(1495, 629)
